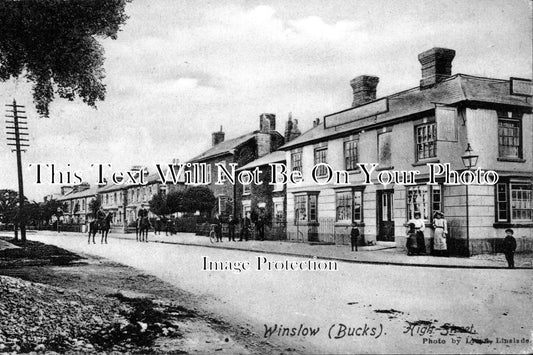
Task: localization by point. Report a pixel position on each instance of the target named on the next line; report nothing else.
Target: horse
(94, 227)
(143, 226)
(105, 225)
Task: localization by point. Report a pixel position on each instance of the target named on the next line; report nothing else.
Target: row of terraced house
(436, 122)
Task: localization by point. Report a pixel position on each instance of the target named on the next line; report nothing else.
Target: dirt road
(356, 308)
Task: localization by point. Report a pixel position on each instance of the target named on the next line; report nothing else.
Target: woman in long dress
(441, 231)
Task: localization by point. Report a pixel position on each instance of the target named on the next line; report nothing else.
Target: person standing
(260, 227)
(419, 228)
(411, 245)
(354, 236)
(218, 228)
(246, 227)
(509, 247)
(231, 228)
(59, 219)
(441, 232)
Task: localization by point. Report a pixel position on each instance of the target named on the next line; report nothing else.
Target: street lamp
(469, 161)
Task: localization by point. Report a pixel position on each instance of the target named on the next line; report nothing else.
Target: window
(223, 205)
(349, 206)
(306, 208)
(320, 155)
(278, 186)
(424, 199)
(514, 202)
(509, 135)
(296, 160)
(426, 141)
(350, 153)
(279, 210)
(246, 189)
(384, 148)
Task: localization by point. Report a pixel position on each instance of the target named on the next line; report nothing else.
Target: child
(509, 247)
(354, 235)
(412, 245)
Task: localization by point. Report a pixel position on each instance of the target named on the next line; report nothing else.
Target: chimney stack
(364, 89)
(267, 122)
(436, 65)
(218, 137)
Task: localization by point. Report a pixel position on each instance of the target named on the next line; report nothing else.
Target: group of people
(247, 227)
(416, 241)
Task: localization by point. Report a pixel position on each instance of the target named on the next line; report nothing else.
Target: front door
(385, 215)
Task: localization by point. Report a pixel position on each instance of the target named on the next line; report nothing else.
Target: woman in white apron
(441, 232)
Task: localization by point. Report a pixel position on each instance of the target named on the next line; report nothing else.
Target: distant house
(434, 122)
(241, 151)
(122, 201)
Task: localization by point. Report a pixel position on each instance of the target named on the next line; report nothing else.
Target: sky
(181, 69)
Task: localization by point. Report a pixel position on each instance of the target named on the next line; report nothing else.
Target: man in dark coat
(354, 235)
(260, 226)
(218, 228)
(231, 228)
(246, 227)
(509, 247)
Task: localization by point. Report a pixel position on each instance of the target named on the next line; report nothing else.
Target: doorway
(385, 215)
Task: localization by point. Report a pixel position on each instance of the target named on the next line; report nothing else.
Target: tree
(158, 205)
(49, 208)
(8, 206)
(175, 202)
(52, 43)
(198, 198)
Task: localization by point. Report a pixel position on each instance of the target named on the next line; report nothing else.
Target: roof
(456, 89)
(79, 194)
(225, 147)
(274, 157)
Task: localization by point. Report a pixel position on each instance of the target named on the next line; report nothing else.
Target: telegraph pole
(15, 139)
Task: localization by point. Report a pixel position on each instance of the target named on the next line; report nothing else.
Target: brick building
(434, 122)
(241, 151)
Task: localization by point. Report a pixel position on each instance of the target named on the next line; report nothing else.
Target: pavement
(377, 254)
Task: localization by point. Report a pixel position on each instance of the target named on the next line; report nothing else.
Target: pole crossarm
(16, 121)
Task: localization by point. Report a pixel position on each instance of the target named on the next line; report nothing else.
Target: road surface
(355, 308)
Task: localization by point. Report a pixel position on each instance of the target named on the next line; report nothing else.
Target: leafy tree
(175, 202)
(50, 207)
(52, 43)
(8, 206)
(158, 205)
(198, 198)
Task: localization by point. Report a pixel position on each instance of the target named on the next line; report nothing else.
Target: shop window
(425, 199)
(514, 202)
(306, 208)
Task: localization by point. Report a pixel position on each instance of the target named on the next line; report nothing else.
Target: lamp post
(469, 161)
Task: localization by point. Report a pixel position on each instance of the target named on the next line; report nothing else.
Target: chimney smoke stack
(436, 65)
(364, 89)
(217, 137)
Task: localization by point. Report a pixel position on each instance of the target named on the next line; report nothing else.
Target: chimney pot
(217, 137)
(267, 122)
(436, 65)
(364, 89)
